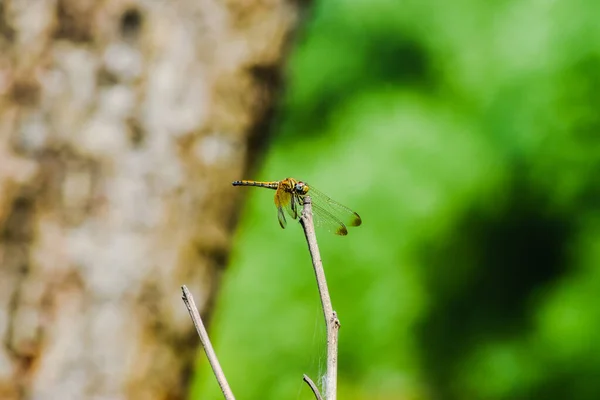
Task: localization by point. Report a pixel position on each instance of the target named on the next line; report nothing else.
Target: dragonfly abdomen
(270, 185)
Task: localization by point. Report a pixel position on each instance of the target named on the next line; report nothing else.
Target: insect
(289, 195)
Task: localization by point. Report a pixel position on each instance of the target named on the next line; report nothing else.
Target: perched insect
(289, 195)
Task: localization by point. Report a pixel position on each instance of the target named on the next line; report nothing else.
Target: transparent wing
(325, 219)
(321, 217)
(332, 208)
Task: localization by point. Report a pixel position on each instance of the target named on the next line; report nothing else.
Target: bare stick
(331, 320)
(313, 387)
(208, 349)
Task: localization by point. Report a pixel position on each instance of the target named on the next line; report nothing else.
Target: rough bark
(122, 124)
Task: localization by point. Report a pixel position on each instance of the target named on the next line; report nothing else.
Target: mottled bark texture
(122, 124)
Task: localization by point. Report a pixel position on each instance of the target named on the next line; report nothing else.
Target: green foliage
(467, 135)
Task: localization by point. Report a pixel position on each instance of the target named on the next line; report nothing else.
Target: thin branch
(188, 299)
(331, 320)
(313, 387)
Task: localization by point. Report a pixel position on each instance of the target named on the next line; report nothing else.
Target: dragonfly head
(300, 188)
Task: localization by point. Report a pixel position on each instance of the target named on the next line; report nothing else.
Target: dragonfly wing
(281, 217)
(296, 206)
(337, 210)
(283, 200)
(325, 219)
(288, 201)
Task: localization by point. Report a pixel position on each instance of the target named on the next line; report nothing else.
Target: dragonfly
(289, 196)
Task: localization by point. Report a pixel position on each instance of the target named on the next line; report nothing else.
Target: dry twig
(331, 320)
(208, 349)
(313, 387)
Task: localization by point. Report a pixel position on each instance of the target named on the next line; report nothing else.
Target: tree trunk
(122, 125)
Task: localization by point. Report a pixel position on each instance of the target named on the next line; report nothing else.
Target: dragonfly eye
(299, 187)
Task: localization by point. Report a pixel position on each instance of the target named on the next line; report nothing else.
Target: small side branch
(313, 387)
(331, 320)
(188, 299)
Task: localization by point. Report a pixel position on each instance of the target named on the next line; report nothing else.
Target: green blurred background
(466, 134)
